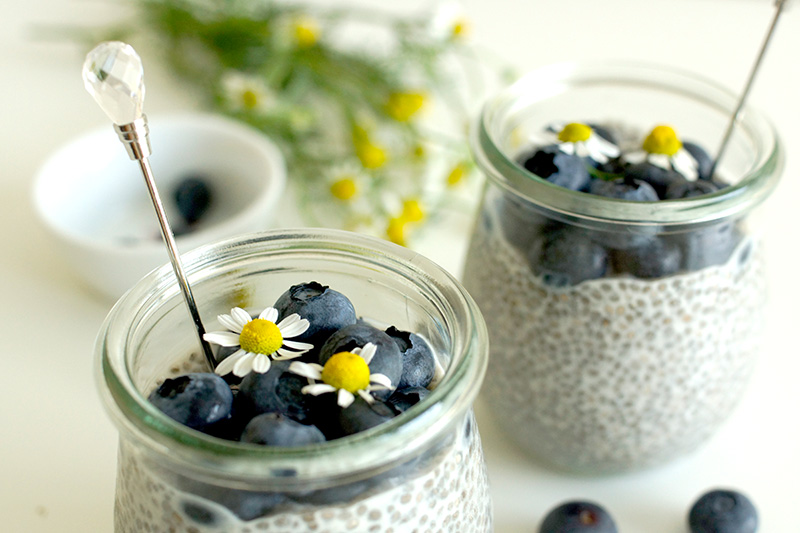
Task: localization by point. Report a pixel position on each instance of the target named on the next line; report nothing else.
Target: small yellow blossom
(396, 230)
(371, 155)
(344, 188)
(305, 32)
(402, 106)
(457, 174)
(412, 210)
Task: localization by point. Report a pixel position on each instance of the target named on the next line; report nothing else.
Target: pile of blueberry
(587, 158)
(305, 371)
(193, 198)
(716, 511)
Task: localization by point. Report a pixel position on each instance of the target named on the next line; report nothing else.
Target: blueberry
(403, 399)
(520, 221)
(627, 188)
(193, 198)
(325, 309)
(195, 400)
(419, 364)
(360, 416)
(578, 517)
(387, 359)
(704, 161)
(559, 168)
(654, 259)
(723, 511)
(567, 256)
(689, 189)
(276, 391)
(274, 429)
(247, 505)
(708, 246)
(659, 178)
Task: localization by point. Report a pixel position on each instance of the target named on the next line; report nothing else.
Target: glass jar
(422, 470)
(622, 333)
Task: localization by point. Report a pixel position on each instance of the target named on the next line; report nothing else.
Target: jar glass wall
(622, 333)
(423, 467)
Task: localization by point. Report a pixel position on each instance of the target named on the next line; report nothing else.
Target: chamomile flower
(371, 154)
(345, 374)
(664, 149)
(449, 21)
(260, 340)
(580, 139)
(242, 92)
(402, 106)
(346, 181)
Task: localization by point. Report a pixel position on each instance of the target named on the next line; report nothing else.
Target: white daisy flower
(346, 181)
(244, 92)
(664, 149)
(260, 340)
(346, 374)
(581, 139)
(449, 21)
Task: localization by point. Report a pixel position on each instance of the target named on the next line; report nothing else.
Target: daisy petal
(367, 397)
(284, 355)
(293, 328)
(244, 365)
(230, 323)
(297, 345)
(223, 338)
(270, 313)
(241, 316)
(228, 363)
(367, 352)
(685, 164)
(261, 364)
(660, 160)
(315, 389)
(307, 370)
(344, 398)
(381, 379)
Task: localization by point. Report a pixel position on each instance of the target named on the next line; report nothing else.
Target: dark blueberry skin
(704, 161)
(275, 429)
(196, 400)
(403, 399)
(690, 189)
(633, 190)
(247, 505)
(519, 220)
(723, 511)
(419, 364)
(360, 416)
(660, 179)
(387, 360)
(275, 391)
(567, 256)
(553, 165)
(578, 517)
(325, 309)
(654, 259)
(709, 246)
(193, 198)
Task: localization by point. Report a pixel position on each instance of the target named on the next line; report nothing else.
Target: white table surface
(57, 449)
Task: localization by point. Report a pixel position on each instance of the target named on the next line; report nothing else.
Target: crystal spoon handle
(114, 76)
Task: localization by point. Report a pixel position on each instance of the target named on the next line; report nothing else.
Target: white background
(57, 447)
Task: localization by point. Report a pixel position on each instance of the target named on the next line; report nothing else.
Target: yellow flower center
(346, 370)
(460, 28)
(371, 155)
(396, 230)
(249, 99)
(306, 33)
(344, 189)
(261, 336)
(412, 211)
(662, 140)
(575, 132)
(403, 106)
(456, 175)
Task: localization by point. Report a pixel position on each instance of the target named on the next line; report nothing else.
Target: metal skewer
(114, 77)
(779, 5)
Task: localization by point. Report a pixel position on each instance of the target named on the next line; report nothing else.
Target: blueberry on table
(195, 400)
(275, 429)
(578, 517)
(387, 359)
(325, 309)
(193, 198)
(723, 511)
(566, 257)
(559, 168)
(419, 364)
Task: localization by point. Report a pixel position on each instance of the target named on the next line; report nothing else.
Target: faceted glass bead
(113, 75)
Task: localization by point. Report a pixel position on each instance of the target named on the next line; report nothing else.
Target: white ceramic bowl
(93, 199)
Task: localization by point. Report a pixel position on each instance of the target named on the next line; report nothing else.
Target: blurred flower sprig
(370, 108)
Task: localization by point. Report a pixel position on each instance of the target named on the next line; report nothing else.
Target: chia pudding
(616, 373)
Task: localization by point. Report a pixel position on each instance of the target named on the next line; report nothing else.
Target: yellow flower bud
(401, 106)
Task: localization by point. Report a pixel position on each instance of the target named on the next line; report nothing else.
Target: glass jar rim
(536, 86)
(380, 447)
